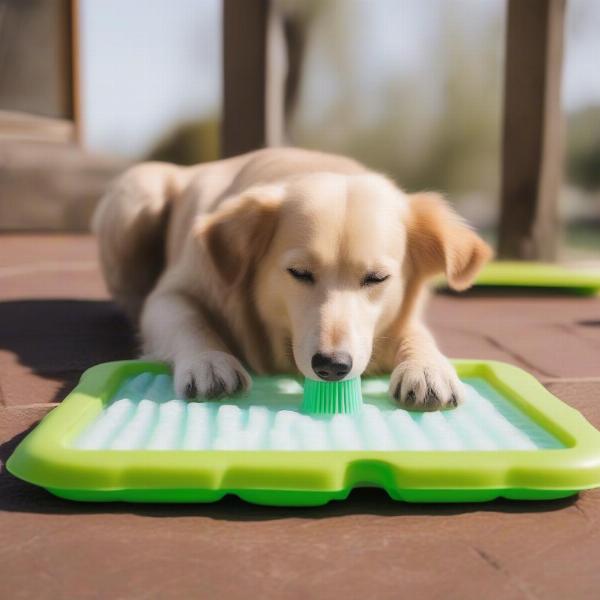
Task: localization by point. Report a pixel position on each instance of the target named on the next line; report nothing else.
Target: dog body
(284, 260)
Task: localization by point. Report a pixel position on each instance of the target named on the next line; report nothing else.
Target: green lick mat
(122, 435)
(509, 274)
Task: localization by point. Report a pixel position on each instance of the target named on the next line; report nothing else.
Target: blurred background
(413, 88)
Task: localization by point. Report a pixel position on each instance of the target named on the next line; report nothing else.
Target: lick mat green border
(304, 478)
(541, 276)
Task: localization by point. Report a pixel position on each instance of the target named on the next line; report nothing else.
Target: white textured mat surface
(144, 414)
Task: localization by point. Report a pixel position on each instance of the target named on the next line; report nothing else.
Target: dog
(284, 260)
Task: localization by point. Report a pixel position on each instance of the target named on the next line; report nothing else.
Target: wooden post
(35, 66)
(295, 32)
(252, 77)
(533, 126)
(75, 69)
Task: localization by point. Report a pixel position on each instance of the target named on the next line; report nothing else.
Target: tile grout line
(551, 380)
(29, 406)
(78, 266)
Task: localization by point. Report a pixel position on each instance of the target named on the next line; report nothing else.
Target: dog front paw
(426, 386)
(210, 375)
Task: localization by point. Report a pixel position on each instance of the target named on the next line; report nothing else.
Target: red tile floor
(56, 320)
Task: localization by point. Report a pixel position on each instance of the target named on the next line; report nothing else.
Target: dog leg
(174, 331)
(424, 379)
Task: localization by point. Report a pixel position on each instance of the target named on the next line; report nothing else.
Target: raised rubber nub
(331, 397)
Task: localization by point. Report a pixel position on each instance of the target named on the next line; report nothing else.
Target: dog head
(333, 259)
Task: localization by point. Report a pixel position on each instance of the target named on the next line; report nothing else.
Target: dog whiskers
(289, 349)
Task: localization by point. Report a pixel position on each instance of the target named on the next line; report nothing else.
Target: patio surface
(55, 321)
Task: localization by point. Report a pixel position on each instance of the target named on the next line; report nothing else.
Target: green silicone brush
(331, 397)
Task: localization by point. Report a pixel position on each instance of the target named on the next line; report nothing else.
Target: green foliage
(190, 143)
(583, 148)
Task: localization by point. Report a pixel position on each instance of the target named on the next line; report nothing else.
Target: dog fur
(201, 256)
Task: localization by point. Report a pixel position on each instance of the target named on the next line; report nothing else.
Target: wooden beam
(252, 102)
(25, 126)
(533, 130)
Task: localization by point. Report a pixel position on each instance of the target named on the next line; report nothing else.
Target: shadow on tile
(59, 339)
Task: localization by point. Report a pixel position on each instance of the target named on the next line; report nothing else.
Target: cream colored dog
(283, 260)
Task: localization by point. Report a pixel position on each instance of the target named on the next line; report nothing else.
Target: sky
(147, 66)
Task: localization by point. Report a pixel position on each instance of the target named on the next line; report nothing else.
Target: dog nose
(331, 367)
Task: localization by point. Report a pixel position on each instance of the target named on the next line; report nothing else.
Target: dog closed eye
(373, 278)
(302, 275)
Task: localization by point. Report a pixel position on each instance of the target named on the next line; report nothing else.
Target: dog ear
(239, 232)
(439, 241)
